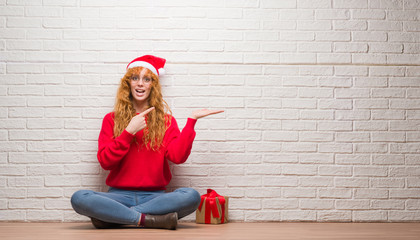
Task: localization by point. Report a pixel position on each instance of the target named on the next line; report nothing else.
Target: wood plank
(231, 231)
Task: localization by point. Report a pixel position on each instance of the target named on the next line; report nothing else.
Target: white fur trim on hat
(144, 64)
(161, 71)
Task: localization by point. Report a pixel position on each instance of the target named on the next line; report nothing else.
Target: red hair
(157, 120)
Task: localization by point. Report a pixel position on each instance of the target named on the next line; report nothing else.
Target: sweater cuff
(191, 123)
(126, 137)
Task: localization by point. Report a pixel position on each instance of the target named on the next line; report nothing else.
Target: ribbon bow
(211, 205)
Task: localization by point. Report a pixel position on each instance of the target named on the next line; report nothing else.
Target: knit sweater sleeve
(180, 143)
(111, 150)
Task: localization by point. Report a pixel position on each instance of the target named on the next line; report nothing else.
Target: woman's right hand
(138, 122)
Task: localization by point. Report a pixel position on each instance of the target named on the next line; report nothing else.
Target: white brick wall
(321, 100)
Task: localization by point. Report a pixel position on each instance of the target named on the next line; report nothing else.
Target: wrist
(131, 131)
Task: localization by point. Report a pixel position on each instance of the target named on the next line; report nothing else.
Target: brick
(388, 137)
(352, 137)
(278, 5)
(279, 181)
(63, 204)
(371, 148)
(13, 193)
(299, 147)
(300, 170)
(317, 158)
(263, 193)
(352, 204)
(315, 181)
(279, 204)
(264, 147)
(44, 215)
(335, 148)
(413, 204)
(366, 171)
(62, 181)
(316, 204)
(387, 182)
(335, 126)
(25, 204)
(371, 193)
(335, 171)
(262, 216)
(370, 36)
(370, 216)
(388, 159)
(352, 25)
(352, 114)
(334, 216)
(280, 136)
(404, 193)
(26, 135)
(370, 14)
(403, 171)
(351, 182)
(280, 158)
(35, 146)
(386, 4)
(214, 171)
(316, 25)
(371, 104)
(42, 192)
(371, 126)
(404, 215)
(291, 215)
(388, 204)
(249, 204)
(403, 82)
(44, 170)
(315, 137)
(335, 36)
(12, 124)
(334, 58)
(404, 148)
(245, 181)
(336, 104)
(25, 158)
(13, 215)
(335, 193)
(25, 182)
(299, 192)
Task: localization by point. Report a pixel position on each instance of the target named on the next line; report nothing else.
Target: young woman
(136, 142)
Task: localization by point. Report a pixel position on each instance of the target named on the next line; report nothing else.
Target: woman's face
(141, 85)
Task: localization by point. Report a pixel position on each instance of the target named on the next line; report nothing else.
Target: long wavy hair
(157, 120)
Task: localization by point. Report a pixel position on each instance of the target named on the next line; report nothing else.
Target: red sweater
(132, 166)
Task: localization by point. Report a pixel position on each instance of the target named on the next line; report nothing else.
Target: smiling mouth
(140, 91)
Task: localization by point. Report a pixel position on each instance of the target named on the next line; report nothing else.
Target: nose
(140, 82)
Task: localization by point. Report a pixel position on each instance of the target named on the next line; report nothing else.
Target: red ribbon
(211, 205)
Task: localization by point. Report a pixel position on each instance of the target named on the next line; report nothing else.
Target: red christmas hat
(154, 64)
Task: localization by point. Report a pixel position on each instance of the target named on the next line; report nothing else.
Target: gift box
(213, 208)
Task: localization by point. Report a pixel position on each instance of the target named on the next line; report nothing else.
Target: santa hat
(154, 64)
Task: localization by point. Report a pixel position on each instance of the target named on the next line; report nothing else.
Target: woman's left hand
(204, 113)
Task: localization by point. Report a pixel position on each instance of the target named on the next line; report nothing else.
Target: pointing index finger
(147, 111)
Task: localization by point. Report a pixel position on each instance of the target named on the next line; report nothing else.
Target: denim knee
(79, 198)
(192, 195)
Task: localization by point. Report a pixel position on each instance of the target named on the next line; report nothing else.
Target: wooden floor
(231, 231)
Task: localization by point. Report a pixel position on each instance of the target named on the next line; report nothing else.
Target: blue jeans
(125, 207)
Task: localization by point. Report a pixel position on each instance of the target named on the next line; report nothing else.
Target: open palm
(203, 113)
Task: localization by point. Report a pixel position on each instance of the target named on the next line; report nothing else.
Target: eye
(147, 80)
(135, 78)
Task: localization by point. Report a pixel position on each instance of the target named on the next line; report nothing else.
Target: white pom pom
(161, 71)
